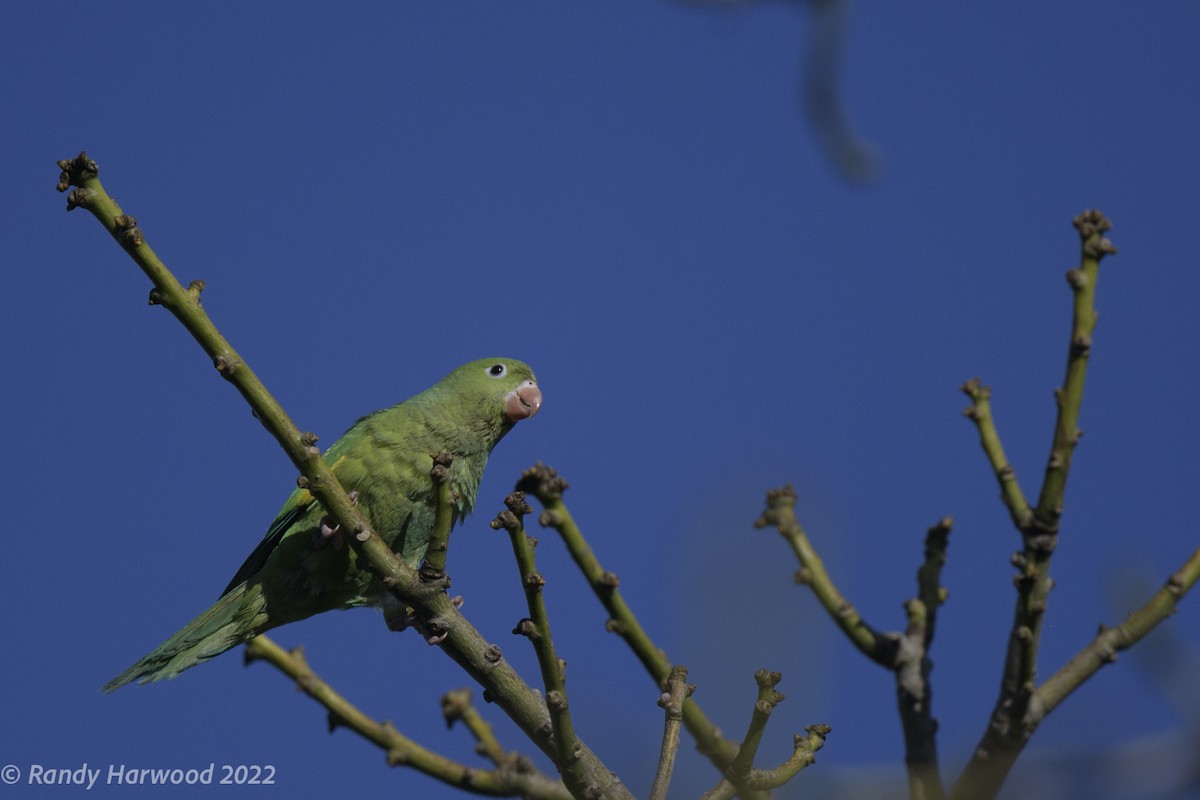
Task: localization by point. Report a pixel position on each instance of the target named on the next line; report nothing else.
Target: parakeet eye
(497, 370)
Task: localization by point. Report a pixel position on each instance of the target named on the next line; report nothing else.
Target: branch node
(78, 197)
(543, 482)
(76, 170)
(225, 365)
(126, 231)
(506, 520)
(1081, 345)
(1091, 221)
(441, 465)
(455, 704)
(515, 503)
(527, 629)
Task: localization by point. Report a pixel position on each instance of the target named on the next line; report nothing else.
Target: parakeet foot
(411, 620)
(327, 535)
(400, 617)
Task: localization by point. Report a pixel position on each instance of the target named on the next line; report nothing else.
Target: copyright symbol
(10, 774)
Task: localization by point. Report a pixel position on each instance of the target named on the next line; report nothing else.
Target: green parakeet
(301, 568)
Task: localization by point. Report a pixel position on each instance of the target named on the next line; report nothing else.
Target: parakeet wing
(294, 509)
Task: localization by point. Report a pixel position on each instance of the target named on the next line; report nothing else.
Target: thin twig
(457, 707)
(537, 629)
(400, 750)
(1110, 641)
(906, 655)
(980, 412)
(547, 486)
(764, 704)
(671, 702)
(780, 513)
(1011, 722)
(434, 567)
(804, 753)
(914, 692)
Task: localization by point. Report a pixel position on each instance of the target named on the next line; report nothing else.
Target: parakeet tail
(240, 615)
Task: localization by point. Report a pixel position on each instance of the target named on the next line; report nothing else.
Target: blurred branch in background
(1159, 766)
(1022, 704)
(544, 483)
(821, 91)
(905, 654)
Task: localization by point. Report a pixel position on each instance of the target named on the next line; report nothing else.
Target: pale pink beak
(523, 402)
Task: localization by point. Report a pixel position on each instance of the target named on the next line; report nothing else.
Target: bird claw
(327, 535)
(437, 638)
(407, 618)
(329, 529)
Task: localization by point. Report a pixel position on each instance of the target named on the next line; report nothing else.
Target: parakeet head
(492, 387)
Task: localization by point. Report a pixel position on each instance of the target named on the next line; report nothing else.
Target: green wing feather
(293, 510)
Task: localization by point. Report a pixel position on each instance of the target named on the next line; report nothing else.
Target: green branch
(1091, 225)
(457, 707)
(905, 655)
(984, 774)
(1110, 641)
(402, 751)
(1021, 704)
(537, 630)
(804, 753)
(980, 412)
(671, 702)
(458, 638)
(780, 514)
(434, 567)
(1012, 723)
(764, 704)
(547, 486)
(914, 691)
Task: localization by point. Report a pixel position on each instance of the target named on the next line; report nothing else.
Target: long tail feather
(237, 617)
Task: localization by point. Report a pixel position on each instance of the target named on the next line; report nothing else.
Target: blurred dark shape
(820, 80)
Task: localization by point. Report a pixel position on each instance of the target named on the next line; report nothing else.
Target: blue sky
(628, 197)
